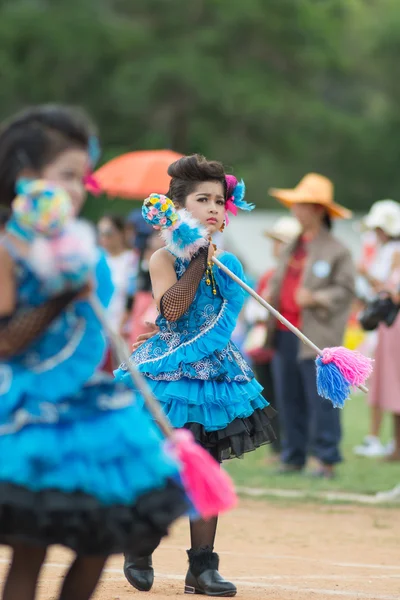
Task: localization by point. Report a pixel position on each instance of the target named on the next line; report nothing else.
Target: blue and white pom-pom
(182, 233)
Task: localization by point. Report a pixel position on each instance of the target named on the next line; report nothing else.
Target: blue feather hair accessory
(236, 191)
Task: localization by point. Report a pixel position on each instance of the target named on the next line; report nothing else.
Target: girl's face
(68, 171)
(207, 204)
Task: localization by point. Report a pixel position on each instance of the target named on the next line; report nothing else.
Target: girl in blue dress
(82, 465)
(200, 377)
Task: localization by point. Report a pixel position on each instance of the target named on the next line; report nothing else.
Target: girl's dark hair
(35, 137)
(327, 221)
(188, 171)
(117, 221)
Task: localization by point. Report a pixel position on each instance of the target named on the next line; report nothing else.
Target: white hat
(285, 229)
(385, 215)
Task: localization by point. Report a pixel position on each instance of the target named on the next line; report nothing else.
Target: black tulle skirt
(81, 523)
(239, 437)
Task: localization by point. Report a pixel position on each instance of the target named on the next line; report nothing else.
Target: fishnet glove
(180, 296)
(23, 327)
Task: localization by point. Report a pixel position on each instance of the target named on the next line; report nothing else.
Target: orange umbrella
(135, 175)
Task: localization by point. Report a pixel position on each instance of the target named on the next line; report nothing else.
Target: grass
(355, 474)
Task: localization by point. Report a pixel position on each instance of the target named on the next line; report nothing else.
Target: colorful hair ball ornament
(40, 207)
(182, 233)
(159, 211)
(236, 191)
(338, 370)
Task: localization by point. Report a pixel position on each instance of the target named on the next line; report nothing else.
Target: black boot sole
(191, 590)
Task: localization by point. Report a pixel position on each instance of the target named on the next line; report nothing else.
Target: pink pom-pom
(208, 486)
(354, 366)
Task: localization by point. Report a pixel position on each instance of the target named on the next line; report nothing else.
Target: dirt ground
(272, 552)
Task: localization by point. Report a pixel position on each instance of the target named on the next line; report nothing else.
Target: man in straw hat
(313, 288)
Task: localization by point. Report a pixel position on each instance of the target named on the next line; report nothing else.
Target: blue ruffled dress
(200, 377)
(82, 464)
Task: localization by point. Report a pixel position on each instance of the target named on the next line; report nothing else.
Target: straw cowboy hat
(385, 215)
(312, 189)
(285, 230)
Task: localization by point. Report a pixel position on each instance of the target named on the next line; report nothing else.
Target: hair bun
(196, 168)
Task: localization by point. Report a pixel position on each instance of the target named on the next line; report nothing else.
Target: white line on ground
(326, 496)
(268, 586)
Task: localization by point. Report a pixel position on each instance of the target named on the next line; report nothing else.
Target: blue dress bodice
(69, 327)
(196, 345)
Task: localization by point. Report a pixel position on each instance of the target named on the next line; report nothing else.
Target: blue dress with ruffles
(200, 377)
(82, 463)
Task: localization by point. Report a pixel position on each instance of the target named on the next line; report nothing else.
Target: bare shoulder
(161, 258)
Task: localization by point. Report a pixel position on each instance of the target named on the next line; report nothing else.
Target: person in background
(384, 220)
(285, 230)
(313, 287)
(137, 232)
(121, 260)
(143, 308)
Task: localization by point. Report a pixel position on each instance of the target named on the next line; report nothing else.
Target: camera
(381, 309)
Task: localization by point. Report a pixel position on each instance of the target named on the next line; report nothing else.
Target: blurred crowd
(318, 287)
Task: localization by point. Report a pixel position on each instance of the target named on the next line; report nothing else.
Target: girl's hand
(145, 336)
